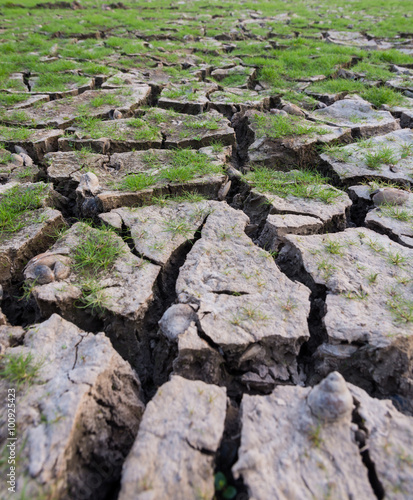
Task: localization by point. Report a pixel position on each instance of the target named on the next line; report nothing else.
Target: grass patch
(186, 164)
(19, 369)
(401, 308)
(337, 152)
(298, 183)
(97, 252)
(136, 182)
(14, 133)
(105, 100)
(144, 131)
(396, 212)
(17, 203)
(383, 156)
(185, 197)
(382, 95)
(277, 126)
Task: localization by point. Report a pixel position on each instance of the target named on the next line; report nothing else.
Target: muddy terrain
(206, 251)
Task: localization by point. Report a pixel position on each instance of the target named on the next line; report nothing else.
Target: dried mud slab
(189, 98)
(26, 99)
(65, 169)
(388, 157)
(158, 231)
(121, 80)
(308, 207)
(389, 437)
(71, 89)
(368, 320)
(403, 111)
(36, 142)
(232, 100)
(326, 441)
(14, 83)
(242, 305)
(245, 76)
(393, 215)
(66, 281)
(157, 128)
(283, 141)
(325, 97)
(132, 179)
(117, 136)
(78, 412)
(359, 116)
(350, 39)
(183, 131)
(277, 226)
(31, 228)
(402, 84)
(173, 454)
(62, 113)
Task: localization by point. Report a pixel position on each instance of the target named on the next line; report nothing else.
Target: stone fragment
(78, 415)
(390, 196)
(293, 109)
(65, 169)
(173, 454)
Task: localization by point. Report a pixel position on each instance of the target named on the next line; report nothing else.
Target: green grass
(187, 94)
(19, 369)
(298, 183)
(144, 131)
(178, 227)
(186, 164)
(97, 251)
(5, 156)
(105, 100)
(16, 205)
(401, 308)
(182, 165)
(383, 95)
(185, 197)
(136, 182)
(14, 133)
(338, 85)
(383, 156)
(209, 123)
(397, 212)
(337, 152)
(277, 126)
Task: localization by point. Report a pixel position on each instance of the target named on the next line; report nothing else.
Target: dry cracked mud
(206, 251)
